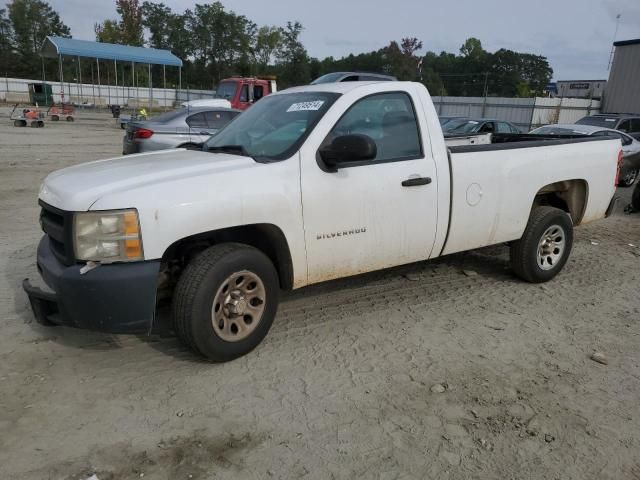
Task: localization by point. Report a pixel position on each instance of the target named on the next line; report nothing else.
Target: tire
(628, 178)
(70, 119)
(19, 123)
(528, 261)
(635, 198)
(55, 118)
(204, 299)
(123, 126)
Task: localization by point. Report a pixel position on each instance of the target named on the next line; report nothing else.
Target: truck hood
(77, 188)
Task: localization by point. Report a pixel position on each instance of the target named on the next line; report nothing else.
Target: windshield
(226, 90)
(597, 121)
(556, 131)
(275, 127)
(328, 78)
(461, 126)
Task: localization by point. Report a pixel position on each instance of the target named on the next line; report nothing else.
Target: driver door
(377, 213)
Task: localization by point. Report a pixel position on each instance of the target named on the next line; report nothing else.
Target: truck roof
(342, 87)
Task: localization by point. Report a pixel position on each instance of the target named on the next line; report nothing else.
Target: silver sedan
(630, 146)
(187, 127)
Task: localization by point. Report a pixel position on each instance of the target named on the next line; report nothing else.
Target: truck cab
(243, 92)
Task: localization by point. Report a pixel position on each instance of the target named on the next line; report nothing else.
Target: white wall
(17, 90)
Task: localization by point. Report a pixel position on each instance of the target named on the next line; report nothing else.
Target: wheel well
(568, 195)
(267, 238)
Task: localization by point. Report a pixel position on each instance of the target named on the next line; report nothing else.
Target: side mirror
(348, 148)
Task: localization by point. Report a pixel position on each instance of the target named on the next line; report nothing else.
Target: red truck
(242, 92)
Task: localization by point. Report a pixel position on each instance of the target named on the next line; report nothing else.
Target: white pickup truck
(310, 184)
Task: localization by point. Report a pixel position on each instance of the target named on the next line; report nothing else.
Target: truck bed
(491, 205)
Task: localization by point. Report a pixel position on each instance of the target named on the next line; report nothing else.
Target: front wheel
(544, 247)
(225, 301)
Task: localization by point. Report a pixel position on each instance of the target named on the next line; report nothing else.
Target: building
(580, 88)
(622, 94)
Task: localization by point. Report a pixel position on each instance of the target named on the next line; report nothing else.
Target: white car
(310, 184)
(207, 102)
(630, 145)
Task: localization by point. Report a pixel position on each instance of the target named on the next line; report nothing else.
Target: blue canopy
(55, 46)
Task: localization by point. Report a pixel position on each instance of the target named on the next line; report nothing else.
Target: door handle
(417, 181)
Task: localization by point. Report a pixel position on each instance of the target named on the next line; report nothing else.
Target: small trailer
(26, 116)
(59, 111)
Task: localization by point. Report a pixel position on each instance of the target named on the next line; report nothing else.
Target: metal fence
(16, 90)
(526, 113)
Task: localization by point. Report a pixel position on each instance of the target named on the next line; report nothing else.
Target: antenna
(615, 35)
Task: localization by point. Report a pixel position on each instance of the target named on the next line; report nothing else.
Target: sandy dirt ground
(452, 369)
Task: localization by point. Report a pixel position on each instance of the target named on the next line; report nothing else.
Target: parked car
(630, 146)
(353, 77)
(478, 125)
(629, 124)
(310, 184)
(183, 128)
(207, 102)
(446, 119)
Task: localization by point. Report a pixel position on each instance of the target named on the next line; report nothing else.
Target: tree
(410, 46)
(292, 57)
(29, 22)
(108, 31)
(7, 53)
(126, 31)
(267, 41)
(472, 48)
(131, 23)
(157, 17)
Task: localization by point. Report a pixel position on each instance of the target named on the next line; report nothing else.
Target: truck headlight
(107, 236)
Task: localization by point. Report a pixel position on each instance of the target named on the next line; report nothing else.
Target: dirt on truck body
(448, 369)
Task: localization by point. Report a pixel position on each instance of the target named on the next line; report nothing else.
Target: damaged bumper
(116, 298)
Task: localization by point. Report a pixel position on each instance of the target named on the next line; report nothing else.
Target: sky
(575, 35)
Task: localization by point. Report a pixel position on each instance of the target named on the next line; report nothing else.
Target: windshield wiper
(232, 149)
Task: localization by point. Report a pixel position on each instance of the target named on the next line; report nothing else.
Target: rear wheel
(628, 178)
(225, 301)
(70, 119)
(544, 247)
(55, 118)
(19, 123)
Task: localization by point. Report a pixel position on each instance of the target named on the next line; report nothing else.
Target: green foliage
(216, 43)
(23, 28)
(126, 31)
(292, 58)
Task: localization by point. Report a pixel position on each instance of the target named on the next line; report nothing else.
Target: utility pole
(615, 35)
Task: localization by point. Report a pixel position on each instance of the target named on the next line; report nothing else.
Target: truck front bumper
(116, 298)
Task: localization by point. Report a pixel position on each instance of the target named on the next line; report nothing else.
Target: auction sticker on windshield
(306, 106)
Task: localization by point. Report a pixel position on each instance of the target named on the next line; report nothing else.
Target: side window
(350, 78)
(197, 120)
(486, 128)
(635, 125)
(258, 92)
(389, 119)
(503, 127)
(217, 119)
(625, 126)
(244, 93)
(514, 129)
